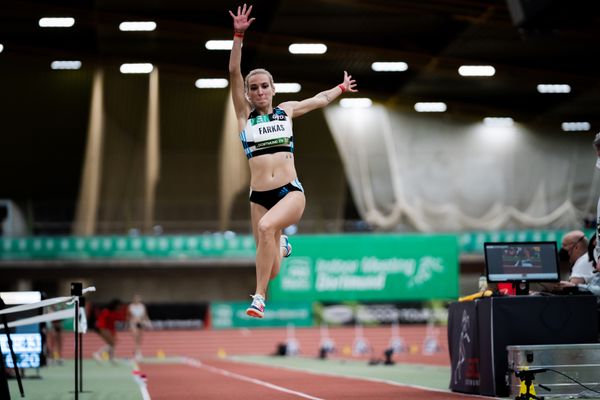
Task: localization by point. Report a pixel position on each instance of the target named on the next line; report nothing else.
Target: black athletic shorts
(269, 198)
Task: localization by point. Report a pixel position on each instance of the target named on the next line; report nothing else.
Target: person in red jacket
(106, 326)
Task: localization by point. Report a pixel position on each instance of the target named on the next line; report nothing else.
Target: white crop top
(137, 310)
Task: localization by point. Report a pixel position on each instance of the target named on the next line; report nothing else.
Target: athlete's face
(260, 91)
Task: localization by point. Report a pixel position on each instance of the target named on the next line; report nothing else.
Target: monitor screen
(26, 339)
(521, 262)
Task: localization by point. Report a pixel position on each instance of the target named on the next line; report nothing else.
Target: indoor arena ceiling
(555, 42)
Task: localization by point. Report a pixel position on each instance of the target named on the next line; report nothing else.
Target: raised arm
(298, 108)
(241, 22)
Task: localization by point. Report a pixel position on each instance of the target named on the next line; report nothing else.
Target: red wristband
(238, 34)
(341, 86)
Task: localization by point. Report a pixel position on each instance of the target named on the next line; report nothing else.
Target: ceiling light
(65, 22)
(498, 121)
(219, 44)
(356, 102)
(430, 107)
(476, 70)
(575, 126)
(211, 83)
(136, 68)
(1, 47)
(381, 66)
(307, 48)
(287, 87)
(545, 88)
(137, 26)
(65, 64)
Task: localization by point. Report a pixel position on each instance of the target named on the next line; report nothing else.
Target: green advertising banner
(233, 315)
(472, 242)
(369, 267)
(215, 245)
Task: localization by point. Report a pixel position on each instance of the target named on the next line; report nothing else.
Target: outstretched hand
(241, 22)
(349, 83)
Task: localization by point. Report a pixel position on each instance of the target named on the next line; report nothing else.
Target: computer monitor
(520, 263)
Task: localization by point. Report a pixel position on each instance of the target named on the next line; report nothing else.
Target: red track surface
(210, 343)
(220, 379)
(214, 378)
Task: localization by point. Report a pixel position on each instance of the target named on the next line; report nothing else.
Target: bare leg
(256, 216)
(267, 226)
(110, 340)
(59, 345)
(107, 336)
(51, 343)
(278, 257)
(137, 338)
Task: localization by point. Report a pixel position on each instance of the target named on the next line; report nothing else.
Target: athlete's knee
(266, 228)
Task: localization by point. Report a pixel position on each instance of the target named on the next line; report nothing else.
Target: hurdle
(80, 327)
(397, 342)
(431, 342)
(292, 347)
(361, 345)
(326, 344)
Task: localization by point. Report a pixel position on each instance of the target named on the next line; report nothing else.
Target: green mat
(107, 381)
(416, 375)
(428, 376)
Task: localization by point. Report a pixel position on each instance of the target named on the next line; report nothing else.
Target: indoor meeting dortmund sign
(369, 267)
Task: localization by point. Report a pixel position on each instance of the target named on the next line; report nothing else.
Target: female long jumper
(276, 195)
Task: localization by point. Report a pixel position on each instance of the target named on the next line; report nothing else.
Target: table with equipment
(479, 332)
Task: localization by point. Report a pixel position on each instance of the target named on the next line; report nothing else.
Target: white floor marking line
(143, 388)
(197, 364)
(360, 378)
(140, 381)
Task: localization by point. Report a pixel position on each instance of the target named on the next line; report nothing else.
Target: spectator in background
(591, 248)
(138, 320)
(597, 247)
(574, 249)
(106, 326)
(3, 216)
(592, 284)
(54, 338)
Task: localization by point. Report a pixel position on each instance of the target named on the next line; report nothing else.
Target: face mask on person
(563, 255)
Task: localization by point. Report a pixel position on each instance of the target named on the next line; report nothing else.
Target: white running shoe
(98, 357)
(257, 308)
(285, 245)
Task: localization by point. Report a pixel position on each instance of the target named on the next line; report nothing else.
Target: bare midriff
(271, 171)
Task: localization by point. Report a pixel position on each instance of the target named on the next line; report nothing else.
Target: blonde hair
(256, 72)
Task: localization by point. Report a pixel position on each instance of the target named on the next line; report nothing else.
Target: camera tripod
(527, 376)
